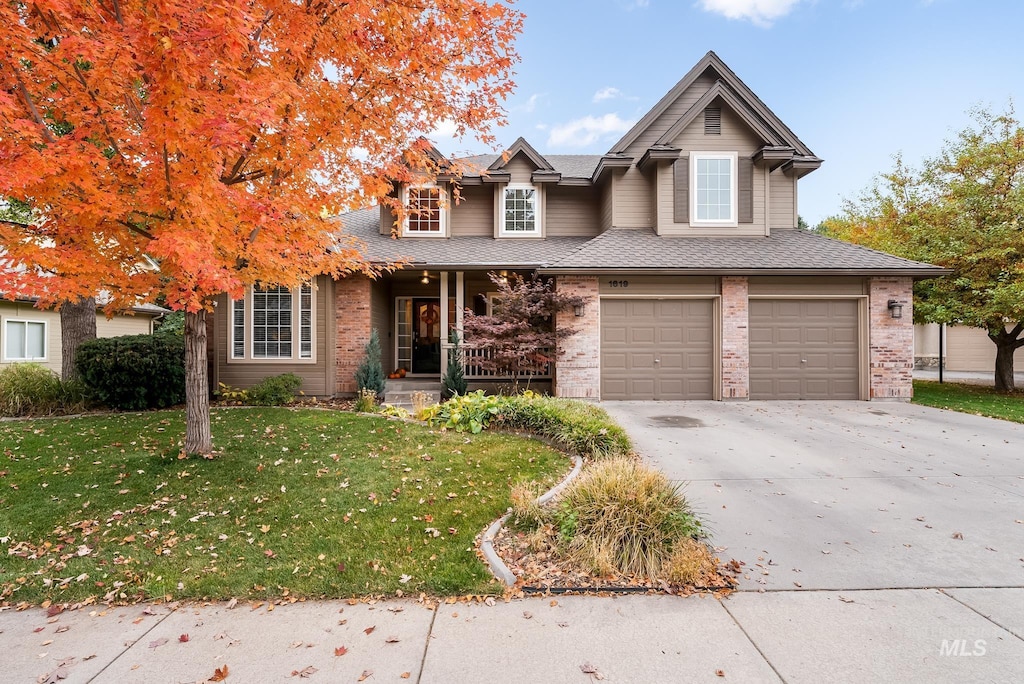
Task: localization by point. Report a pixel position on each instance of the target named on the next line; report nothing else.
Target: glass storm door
(426, 336)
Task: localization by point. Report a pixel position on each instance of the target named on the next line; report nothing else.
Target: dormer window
(426, 211)
(520, 211)
(713, 195)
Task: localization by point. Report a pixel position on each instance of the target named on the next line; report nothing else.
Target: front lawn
(300, 503)
(976, 399)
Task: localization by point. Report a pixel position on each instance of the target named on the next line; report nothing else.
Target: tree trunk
(197, 386)
(77, 325)
(1006, 344)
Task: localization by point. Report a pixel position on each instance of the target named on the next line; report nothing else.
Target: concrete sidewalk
(791, 636)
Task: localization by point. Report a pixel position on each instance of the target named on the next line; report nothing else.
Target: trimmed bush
(621, 516)
(29, 389)
(454, 380)
(277, 390)
(370, 374)
(134, 372)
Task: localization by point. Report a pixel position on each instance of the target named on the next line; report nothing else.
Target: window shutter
(745, 189)
(681, 190)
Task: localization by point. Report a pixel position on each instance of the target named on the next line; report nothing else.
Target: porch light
(895, 308)
(425, 279)
(578, 310)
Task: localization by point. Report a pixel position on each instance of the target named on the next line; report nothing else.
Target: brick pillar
(352, 315)
(578, 369)
(735, 339)
(892, 339)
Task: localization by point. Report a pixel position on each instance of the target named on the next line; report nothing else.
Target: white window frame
(250, 337)
(28, 359)
(537, 211)
(732, 221)
(492, 301)
(442, 198)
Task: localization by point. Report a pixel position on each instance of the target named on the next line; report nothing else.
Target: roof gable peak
(520, 146)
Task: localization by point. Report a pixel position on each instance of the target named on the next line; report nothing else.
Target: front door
(426, 337)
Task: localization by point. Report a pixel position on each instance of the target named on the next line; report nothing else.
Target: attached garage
(804, 348)
(661, 349)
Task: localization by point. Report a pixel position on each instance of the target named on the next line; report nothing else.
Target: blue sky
(857, 80)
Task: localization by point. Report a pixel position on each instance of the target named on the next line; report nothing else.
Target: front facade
(682, 240)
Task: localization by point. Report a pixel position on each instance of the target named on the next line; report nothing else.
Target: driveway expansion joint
(130, 646)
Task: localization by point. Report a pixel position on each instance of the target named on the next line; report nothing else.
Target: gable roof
(520, 146)
(569, 165)
(720, 91)
(744, 95)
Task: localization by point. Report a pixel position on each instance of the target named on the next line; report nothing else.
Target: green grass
(976, 399)
(299, 503)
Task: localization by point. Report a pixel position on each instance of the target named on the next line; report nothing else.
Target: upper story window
(426, 207)
(24, 340)
(713, 185)
(520, 210)
(273, 323)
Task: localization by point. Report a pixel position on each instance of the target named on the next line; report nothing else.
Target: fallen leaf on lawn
(588, 669)
(958, 535)
(157, 643)
(369, 630)
(183, 638)
(269, 554)
(391, 640)
(719, 673)
(404, 579)
(340, 651)
(231, 604)
(219, 674)
(305, 673)
(366, 675)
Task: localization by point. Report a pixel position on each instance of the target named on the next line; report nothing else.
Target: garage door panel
(804, 349)
(677, 333)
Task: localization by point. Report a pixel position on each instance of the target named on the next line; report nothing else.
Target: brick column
(578, 369)
(892, 339)
(735, 339)
(352, 317)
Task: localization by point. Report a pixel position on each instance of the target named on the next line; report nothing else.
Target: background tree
(964, 209)
(217, 143)
(520, 332)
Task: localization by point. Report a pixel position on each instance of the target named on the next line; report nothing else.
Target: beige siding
(607, 205)
(571, 211)
(474, 215)
(387, 220)
(629, 285)
(245, 373)
(970, 349)
(520, 168)
(632, 207)
(807, 285)
(118, 325)
(782, 201)
(670, 116)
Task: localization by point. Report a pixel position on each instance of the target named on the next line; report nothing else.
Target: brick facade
(891, 339)
(578, 373)
(352, 310)
(735, 339)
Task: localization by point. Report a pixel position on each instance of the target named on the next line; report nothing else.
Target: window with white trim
(24, 340)
(713, 185)
(520, 210)
(273, 323)
(426, 210)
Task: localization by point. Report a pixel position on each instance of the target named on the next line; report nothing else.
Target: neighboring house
(682, 239)
(28, 333)
(965, 349)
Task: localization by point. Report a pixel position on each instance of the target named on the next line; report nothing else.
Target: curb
(494, 562)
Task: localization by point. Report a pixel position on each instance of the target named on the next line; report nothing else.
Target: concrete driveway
(846, 495)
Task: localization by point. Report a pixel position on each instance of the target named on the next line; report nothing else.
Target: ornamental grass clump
(623, 517)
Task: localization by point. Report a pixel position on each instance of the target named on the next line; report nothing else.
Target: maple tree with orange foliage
(189, 150)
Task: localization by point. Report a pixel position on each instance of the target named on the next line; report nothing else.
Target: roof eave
(609, 162)
(915, 273)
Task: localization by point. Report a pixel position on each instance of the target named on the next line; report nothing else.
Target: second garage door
(657, 349)
(804, 349)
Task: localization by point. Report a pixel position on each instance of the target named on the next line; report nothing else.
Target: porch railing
(472, 369)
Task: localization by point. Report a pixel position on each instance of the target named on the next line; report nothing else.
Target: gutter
(916, 273)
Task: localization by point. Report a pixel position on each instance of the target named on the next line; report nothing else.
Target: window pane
(306, 322)
(272, 316)
(238, 328)
(15, 334)
(35, 340)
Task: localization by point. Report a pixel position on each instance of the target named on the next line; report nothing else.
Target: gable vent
(713, 121)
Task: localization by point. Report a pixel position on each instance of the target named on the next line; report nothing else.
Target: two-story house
(682, 239)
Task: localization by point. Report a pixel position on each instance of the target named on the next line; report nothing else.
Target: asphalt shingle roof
(569, 165)
(633, 249)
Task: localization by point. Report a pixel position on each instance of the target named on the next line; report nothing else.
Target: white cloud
(531, 103)
(444, 130)
(760, 12)
(607, 93)
(588, 130)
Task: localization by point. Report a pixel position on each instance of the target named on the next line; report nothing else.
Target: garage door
(657, 349)
(804, 349)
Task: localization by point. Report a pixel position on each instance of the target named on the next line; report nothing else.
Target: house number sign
(618, 283)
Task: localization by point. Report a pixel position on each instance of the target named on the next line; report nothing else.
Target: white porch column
(444, 322)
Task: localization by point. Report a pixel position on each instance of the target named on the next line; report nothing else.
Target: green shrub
(29, 389)
(621, 516)
(454, 380)
(276, 390)
(366, 401)
(394, 411)
(134, 372)
(370, 373)
(232, 395)
(172, 324)
(473, 412)
(577, 426)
